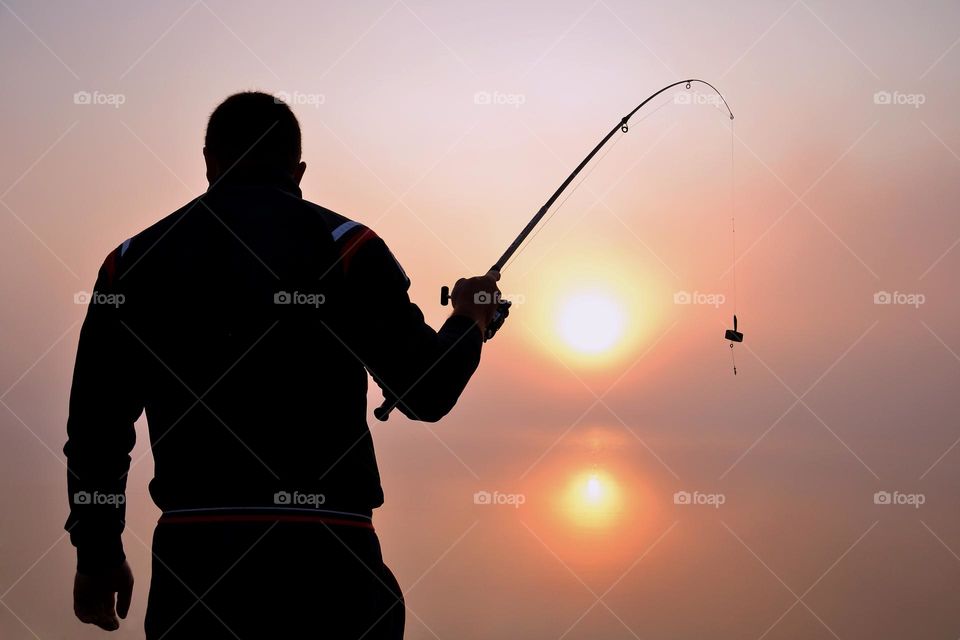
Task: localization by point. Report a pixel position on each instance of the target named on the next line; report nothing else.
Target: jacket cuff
(100, 556)
(459, 325)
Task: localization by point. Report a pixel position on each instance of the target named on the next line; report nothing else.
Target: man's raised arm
(424, 370)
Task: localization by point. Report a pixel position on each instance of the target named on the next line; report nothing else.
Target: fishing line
(733, 235)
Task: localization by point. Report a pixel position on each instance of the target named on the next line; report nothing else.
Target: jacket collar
(279, 180)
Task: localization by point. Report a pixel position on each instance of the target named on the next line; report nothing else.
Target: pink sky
(840, 196)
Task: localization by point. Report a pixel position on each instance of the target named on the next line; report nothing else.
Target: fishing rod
(503, 306)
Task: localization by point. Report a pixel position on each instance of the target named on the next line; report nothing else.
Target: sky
(638, 489)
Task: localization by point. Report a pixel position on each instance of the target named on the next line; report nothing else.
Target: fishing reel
(499, 316)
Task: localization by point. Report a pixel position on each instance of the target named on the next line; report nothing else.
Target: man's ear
(298, 172)
(213, 168)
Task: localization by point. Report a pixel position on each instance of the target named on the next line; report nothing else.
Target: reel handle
(445, 290)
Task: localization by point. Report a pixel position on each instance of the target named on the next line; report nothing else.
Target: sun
(592, 499)
(591, 322)
(595, 309)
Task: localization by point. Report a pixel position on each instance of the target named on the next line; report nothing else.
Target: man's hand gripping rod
(499, 316)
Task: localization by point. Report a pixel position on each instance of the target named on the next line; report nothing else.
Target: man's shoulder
(136, 246)
(336, 224)
(348, 235)
(355, 242)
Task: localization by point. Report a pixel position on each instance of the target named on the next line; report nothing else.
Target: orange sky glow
(605, 475)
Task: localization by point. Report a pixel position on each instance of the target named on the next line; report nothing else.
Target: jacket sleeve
(424, 370)
(104, 405)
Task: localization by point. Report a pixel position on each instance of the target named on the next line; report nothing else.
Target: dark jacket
(245, 324)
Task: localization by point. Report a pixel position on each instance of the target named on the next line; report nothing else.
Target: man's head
(252, 135)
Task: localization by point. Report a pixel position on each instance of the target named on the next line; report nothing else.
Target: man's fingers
(99, 599)
(107, 619)
(99, 610)
(101, 618)
(107, 622)
(124, 596)
(86, 609)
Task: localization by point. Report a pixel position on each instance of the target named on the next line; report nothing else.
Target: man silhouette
(244, 324)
